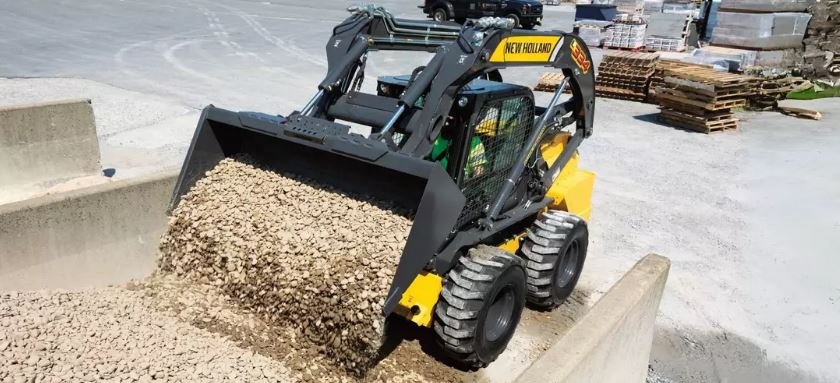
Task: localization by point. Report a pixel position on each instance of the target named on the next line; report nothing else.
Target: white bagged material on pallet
(653, 6)
(593, 32)
(766, 5)
(760, 30)
(630, 6)
(625, 36)
(665, 44)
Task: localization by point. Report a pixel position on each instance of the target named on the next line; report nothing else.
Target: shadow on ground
(653, 118)
(716, 357)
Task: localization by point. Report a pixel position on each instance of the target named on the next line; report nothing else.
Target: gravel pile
(115, 335)
(298, 254)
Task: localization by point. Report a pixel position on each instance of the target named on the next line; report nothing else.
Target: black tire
(480, 306)
(555, 250)
(515, 18)
(439, 14)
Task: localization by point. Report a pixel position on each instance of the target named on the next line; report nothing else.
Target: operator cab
(486, 128)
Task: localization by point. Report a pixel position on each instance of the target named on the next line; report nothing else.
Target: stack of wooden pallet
(625, 75)
(702, 99)
(770, 89)
(549, 81)
(657, 80)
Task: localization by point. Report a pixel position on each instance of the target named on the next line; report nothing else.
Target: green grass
(811, 94)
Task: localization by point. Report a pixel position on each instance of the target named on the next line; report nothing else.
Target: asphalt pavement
(238, 54)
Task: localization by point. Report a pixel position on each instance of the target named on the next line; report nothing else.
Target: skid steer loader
(500, 206)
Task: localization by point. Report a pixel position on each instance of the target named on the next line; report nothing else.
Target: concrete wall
(98, 235)
(47, 141)
(612, 342)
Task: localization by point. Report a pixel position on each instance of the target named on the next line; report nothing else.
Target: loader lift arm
(461, 55)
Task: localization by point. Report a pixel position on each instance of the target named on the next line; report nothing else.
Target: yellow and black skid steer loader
(500, 206)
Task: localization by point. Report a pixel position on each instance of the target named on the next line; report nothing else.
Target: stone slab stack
(822, 41)
(772, 29)
(667, 32)
(760, 31)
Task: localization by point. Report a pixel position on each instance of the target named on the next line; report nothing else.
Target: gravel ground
(296, 253)
(115, 335)
(168, 329)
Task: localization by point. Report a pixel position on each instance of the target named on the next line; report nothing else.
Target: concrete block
(612, 342)
(93, 236)
(47, 141)
(764, 31)
(671, 25)
(766, 5)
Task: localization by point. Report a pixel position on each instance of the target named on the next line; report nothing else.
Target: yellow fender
(571, 191)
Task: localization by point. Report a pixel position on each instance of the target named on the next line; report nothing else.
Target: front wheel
(480, 306)
(515, 19)
(440, 15)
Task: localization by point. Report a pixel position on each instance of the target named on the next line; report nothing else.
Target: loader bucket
(326, 153)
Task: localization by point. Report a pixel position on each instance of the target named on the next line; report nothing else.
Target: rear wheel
(555, 249)
(480, 306)
(439, 14)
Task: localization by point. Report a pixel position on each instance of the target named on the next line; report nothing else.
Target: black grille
(501, 128)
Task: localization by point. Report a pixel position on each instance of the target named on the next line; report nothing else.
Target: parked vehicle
(525, 13)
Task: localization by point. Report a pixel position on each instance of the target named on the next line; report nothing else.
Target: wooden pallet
(694, 94)
(637, 49)
(665, 94)
(622, 82)
(711, 80)
(619, 93)
(704, 114)
(549, 81)
(625, 74)
(688, 121)
(626, 70)
(800, 112)
(624, 56)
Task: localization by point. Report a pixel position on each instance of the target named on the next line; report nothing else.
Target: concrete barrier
(93, 236)
(611, 343)
(109, 233)
(47, 141)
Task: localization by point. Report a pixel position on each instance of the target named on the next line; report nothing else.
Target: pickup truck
(525, 13)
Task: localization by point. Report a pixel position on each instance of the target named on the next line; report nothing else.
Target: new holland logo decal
(579, 56)
(527, 49)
